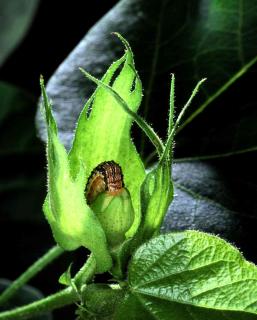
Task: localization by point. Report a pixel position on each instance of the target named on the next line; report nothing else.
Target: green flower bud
(116, 215)
(156, 195)
(110, 201)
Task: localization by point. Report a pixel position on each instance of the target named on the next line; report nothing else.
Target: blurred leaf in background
(22, 183)
(15, 20)
(25, 295)
(18, 150)
(16, 124)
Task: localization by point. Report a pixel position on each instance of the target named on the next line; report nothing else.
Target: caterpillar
(106, 177)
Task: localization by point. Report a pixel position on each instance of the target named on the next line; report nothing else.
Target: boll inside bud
(110, 201)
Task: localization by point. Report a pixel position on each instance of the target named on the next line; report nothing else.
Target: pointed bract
(72, 221)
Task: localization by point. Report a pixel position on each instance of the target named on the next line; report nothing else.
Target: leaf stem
(223, 88)
(86, 273)
(54, 301)
(34, 269)
(172, 104)
(180, 116)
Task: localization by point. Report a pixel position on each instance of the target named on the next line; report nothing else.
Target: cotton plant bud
(110, 201)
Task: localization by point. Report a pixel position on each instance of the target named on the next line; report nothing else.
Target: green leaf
(103, 130)
(72, 221)
(191, 275)
(157, 188)
(65, 277)
(16, 17)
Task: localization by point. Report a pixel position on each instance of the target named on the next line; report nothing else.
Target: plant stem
(86, 273)
(180, 116)
(54, 301)
(172, 104)
(35, 268)
(57, 300)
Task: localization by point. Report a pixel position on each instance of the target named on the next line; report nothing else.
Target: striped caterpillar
(106, 177)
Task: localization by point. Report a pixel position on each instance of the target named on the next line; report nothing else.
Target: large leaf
(212, 199)
(194, 39)
(188, 276)
(16, 17)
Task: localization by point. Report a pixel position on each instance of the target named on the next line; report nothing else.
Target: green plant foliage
(186, 275)
(73, 223)
(157, 189)
(25, 295)
(190, 275)
(183, 275)
(156, 195)
(202, 39)
(103, 129)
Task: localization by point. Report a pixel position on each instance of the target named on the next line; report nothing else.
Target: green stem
(54, 301)
(35, 268)
(172, 104)
(86, 273)
(223, 88)
(57, 300)
(180, 116)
